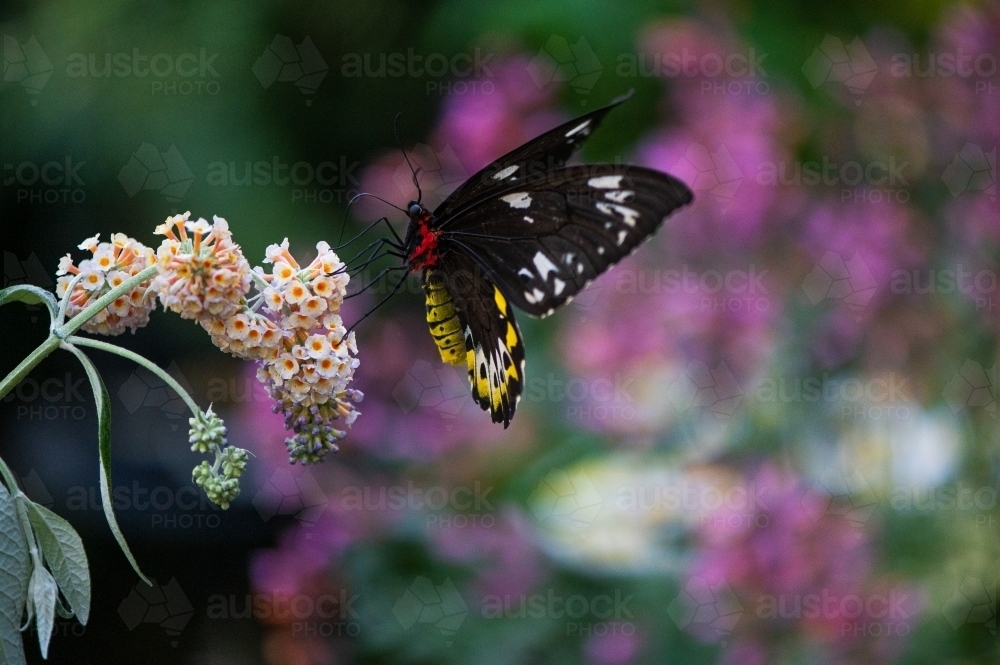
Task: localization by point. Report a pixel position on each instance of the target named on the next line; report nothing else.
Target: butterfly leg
(395, 290)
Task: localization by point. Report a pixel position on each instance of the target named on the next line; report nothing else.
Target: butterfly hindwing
(532, 161)
(494, 350)
(543, 243)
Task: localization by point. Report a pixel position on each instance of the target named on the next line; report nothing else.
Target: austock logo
(706, 608)
(972, 602)
(872, 182)
(441, 69)
(600, 614)
(284, 62)
(444, 388)
(711, 172)
(149, 169)
(845, 280)
(439, 171)
(329, 181)
(188, 73)
(722, 73)
(322, 615)
(62, 398)
(184, 507)
(558, 61)
(572, 499)
(441, 606)
(166, 606)
(27, 65)
(848, 495)
(833, 61)
(26, 271)
(711, 391)
(144, 389)
(292, 492)
(31, 484)
(54, 181)
(973, 387)
(972, 170)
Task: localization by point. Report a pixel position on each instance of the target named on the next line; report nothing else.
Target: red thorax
(425, 254)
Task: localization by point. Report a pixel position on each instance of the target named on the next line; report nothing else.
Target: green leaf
(63, 551)
(30, 295)
(43, 592)
(104, 444)
(14, 567)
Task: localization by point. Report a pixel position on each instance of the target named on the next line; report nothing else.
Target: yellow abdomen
(446, 329)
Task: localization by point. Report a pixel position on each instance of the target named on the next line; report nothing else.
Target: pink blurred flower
(612, 648)
(303, 554)
(970, 103)
(503, 554)
(856, 247)
(721, 145)
(649, 326)
(795, 565)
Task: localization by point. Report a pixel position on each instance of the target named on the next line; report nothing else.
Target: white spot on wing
(530, 220)
(506, 172)
(629, 215)
(558, 285)
(579, 268)
(544, 265)
(582, 127)
(527, 273)
(534, 296)
(621, 236)
(517, 199)
(600, 250)
(568, 258)
(620, 196)
(606, 182)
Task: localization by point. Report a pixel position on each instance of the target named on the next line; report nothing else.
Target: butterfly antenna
(416, 183)
(341, 244)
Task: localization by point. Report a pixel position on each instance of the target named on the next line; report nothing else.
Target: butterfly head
(421, 239)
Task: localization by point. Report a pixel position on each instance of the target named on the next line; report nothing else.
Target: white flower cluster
(111, 265)
(310, 374)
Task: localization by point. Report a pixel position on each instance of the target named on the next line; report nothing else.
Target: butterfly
(526, 231)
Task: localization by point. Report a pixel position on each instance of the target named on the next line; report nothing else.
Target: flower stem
(74, 324)
(28, 364)
(63, 331)
(139, 360)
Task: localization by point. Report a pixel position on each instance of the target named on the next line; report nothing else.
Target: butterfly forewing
(544, 243)
(533, 160)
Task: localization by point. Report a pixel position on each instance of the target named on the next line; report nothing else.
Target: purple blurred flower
(503, 554)
(723, 142)
(612, 648)
(856, 247)
(498, 115)
(970, 103)
(301, 557)
(648, 323)
(795, 565)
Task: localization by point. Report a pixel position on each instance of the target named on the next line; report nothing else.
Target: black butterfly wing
(533, 160)
(493, 346)
(544, 242)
